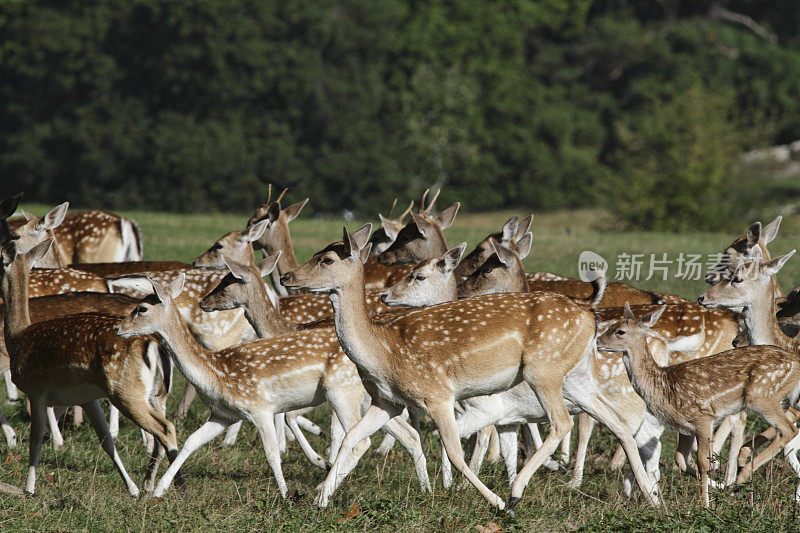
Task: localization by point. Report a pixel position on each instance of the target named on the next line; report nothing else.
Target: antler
(389, 214)
(407, 211)
(426, 210)
(278, 199)
(269, 193)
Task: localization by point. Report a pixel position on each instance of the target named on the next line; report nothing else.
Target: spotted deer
(35, 230)
(237, 245)
(433, 357)
(276, 236)
(751, 287)
(511, 232)
(76, 360)
(432, 282)
(129, 267)
(256, 380)
(693, 395)
(386, 233)
(94, 237)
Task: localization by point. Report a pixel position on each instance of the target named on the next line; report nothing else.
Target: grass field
(231, 488)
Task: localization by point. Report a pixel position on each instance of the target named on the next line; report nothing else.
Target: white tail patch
(130, 248)
(688, 343)
(135, 286)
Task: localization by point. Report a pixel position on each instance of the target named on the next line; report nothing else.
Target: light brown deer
(276, 236)
(129, 267)
(256, 380)
(94, 237)
(692, 396)
(77, 360)
(237, 245)
(433, 357)
(35, 230)
(386, 233)
(511, 232)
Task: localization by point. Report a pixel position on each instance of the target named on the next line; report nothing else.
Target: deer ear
(753, 234)
(293, 210)
(771, 229)
(452, 257)
(649, 320)
(524, 226)
(176, 285)
(509, 230)
(505, 255)
(268, 264)
(9, 205)
(38, 251)
(446, 217)
(364, 253)
(274, 211)
(255, 231)
(627, 313)
(53, 218)
(361, 236)
(603, 325)
(350, 248)
(28, 216)
(772, 267)
(388, 227)
(239, 271)
(523, 246)
(160, 291)
(420, 222)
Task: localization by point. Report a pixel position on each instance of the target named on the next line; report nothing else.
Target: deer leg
(585, 427)
(785, 432)
(768, 434)
(482, 440)
(720, 436)
(648, 440)
(212, 428)
(444, 418)
(375, 418)
(493, 453)
(232, 433)
(602, 410)
(265, 424)
(11, 390)
(531, 431)
(77, 416)
(388, 441)
(55, 432)
(704, 438)
(38, 424)
(113, 421)
(618, 459)
(346, 414)
(337, 434)
(414, 414)
(280, 431)
(409, 438)
(737, 439)
(311, 455)
(98, 421)
(565, 445)
(309, 427)
(186, 401)
(11, 437)
(509, 448)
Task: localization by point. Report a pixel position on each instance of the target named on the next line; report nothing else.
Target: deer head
(628, 333)
(18, 261)
(276, 236)
(385, 235)
(742, 248)
(153, 312)
(35, 230)
(241, 287)
(430, 282)
(512, 231)
(336, 267)
(421, 238)
(749, 283)
(237, 245)
(501, 272)
(788, 314)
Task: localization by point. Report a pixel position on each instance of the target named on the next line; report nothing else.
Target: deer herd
(387, 327)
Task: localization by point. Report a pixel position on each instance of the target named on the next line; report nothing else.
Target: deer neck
(354, 328)
(647, 378)
(265, 319)
(190, 357)
(759, 318)
(14, 287)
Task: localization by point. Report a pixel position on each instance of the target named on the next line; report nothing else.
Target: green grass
(233, 489)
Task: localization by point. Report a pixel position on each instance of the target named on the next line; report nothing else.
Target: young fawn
(433, 357)
(690, 397)
(77, 359)
(256, 380)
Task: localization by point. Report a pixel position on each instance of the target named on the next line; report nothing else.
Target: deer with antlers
(77, 359)
(256, 380)
(693, 395)
(433, 357)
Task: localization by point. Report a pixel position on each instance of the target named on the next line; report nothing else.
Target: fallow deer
(95, 237)
(237, 245)
(433, 357)
(256, 380)
(77, 359)
(690, 397)
(512, 231)
(276, 236)
(386, 233)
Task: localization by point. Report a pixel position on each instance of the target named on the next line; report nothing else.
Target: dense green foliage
(195, 105)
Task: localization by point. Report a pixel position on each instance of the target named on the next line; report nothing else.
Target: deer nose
(286, 278)
(383, 296)
(701, 299)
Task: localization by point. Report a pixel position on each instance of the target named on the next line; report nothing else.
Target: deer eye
(620, 332)
(327, 261)
(141, 309)
(419, 278)
(217, 247)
